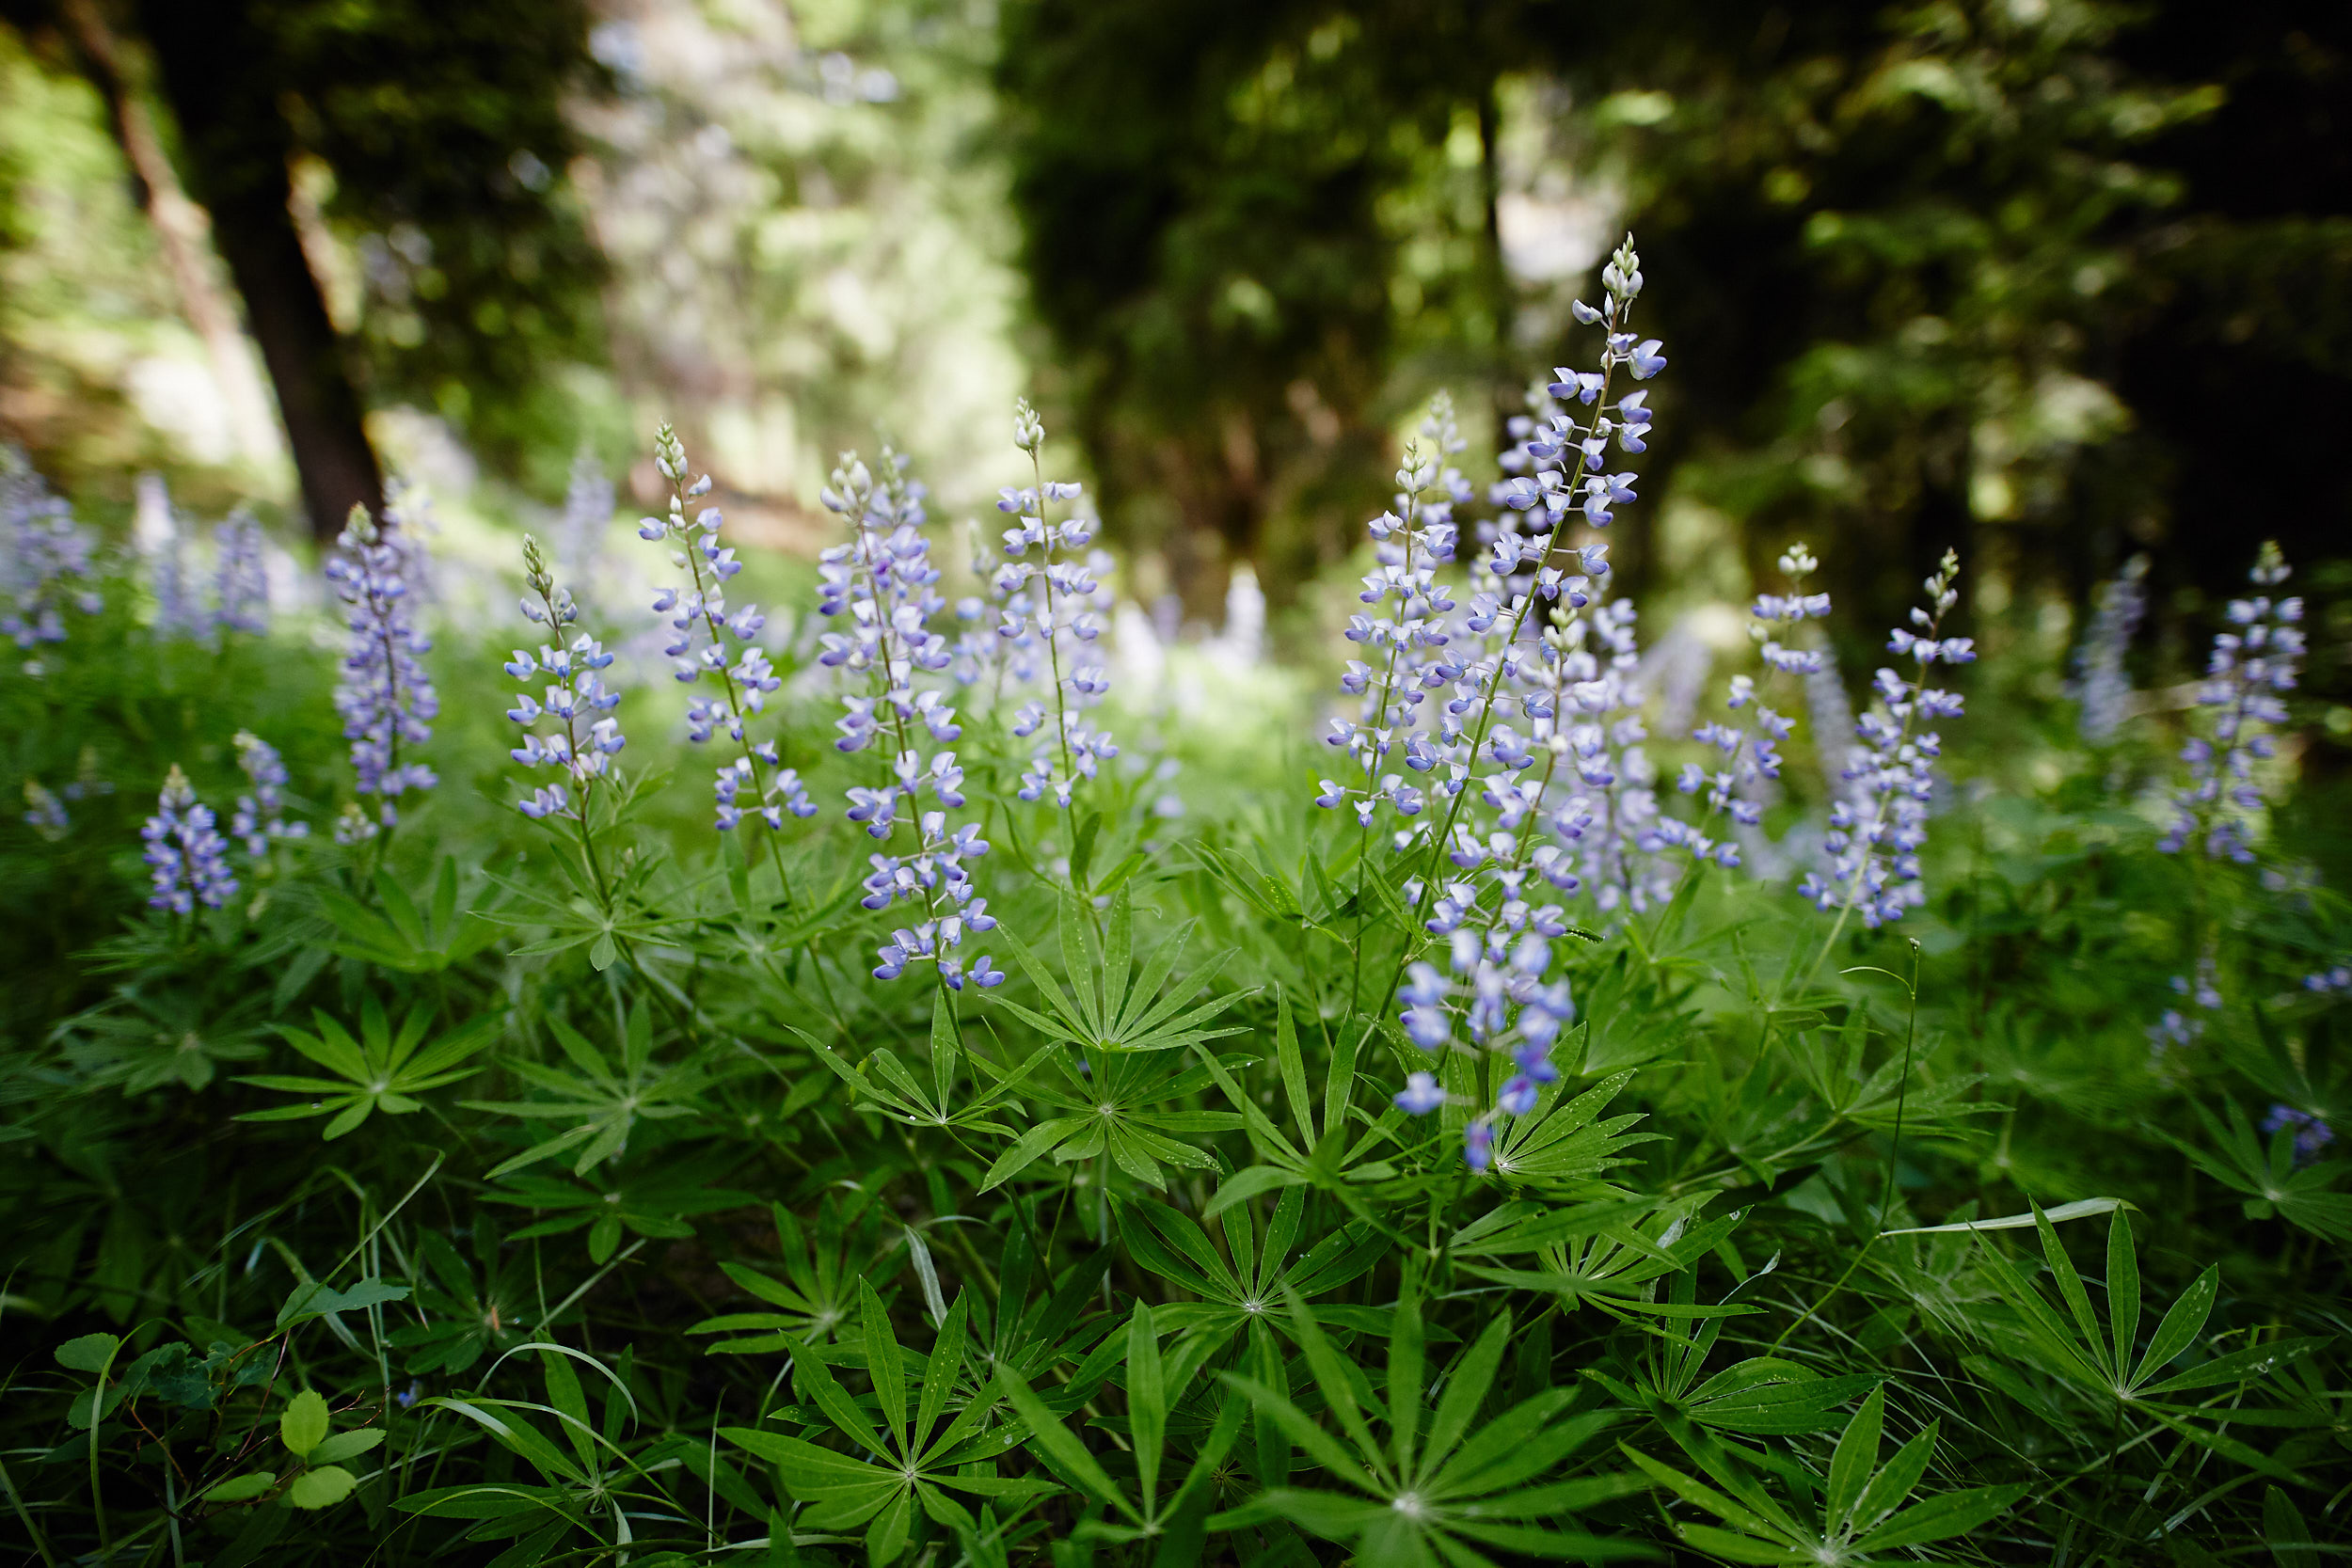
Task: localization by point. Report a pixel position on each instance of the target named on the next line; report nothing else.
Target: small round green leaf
(322, 1488)
(89, 1354)
(304, 1424)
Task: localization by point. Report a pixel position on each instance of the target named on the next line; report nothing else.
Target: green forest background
(2062, 280)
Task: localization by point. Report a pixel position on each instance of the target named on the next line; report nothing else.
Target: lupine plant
(1451, 1162)
(386, 698)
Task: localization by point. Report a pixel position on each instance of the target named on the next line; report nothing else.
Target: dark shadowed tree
(436, 145)
(222, 74)
(1200, 190)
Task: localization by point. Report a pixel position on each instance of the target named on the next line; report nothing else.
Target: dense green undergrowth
(450, 1195)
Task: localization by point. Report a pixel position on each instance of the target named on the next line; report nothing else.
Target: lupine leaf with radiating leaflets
(1111, 1014)
(2099, 1365)
(400, 936)
(1435, 1496)
(1116, 1115)
(651, 1202)
(1609, 1255)
(1171, 1244)
(1859, 1506)
(381, 1070)
(885, 1084)
(1760, 1396)
(1563, 1140)
(915, 1460)
(604, 1104)
(2267, 1175)
(1153, 1385)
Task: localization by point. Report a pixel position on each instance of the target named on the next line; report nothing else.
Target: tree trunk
(182, 229)
(214, 66)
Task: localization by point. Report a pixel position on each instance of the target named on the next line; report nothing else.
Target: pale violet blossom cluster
(1054, 599)
(881, 588)
(2309, 1134)
(1536, 752)
(728, 693)
(2252, 666)
(1880, 823)
(384, 697)
(581, 526)
(2185, 1024)
(186, 856)
(45, 557)
(1830, 712)
(582, 737)
(44, 813)
(1574, 679)
(2329, 982)
(1406, 632)
(1748, 750)
(260, 820)
(998, 644)
(2103, 688)
(237, 599)
(240, 574)
(171, 578)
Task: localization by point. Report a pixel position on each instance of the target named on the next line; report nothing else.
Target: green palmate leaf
(378, 1072)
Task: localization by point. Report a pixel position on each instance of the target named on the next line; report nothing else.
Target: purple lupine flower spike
(260, 821)
(1063, 616)
(704, 629)
(385, 699)
(2253, 666)
(1516, 714)
(1748, 746)
(43, 551)
(189, 859)
(582, 737)
(2103, 687)
(1404, 636)
(240, 578)
(881, 586)
(1879, 825)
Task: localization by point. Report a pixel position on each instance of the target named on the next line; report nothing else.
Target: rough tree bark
(213, 62)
